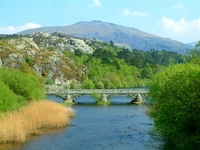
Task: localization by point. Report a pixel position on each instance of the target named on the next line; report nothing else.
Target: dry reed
(18, 126)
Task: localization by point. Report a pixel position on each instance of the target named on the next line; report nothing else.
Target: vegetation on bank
(22, 112)
(18, 126)
(174, 104)
(18, 88)
(174, 80)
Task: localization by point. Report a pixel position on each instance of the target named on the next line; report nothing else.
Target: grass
(18, 126)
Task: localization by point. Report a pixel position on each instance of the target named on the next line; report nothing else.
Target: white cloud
(185, 31)
(95, 3)
(127, 12)
(180, 7)
(12, 29)
(140, 14)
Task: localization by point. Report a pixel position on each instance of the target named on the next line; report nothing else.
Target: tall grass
(17, 126)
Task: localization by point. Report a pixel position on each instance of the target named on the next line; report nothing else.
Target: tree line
(110, 66)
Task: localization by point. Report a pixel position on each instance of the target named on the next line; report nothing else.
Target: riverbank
(19, 126)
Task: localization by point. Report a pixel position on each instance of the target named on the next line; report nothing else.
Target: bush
(73, 85)
(87, 84)
(174, 105)
(8, 99)
(96, 96)
(26, 85)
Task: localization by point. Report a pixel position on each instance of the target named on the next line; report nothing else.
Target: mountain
(192, 45)
(131, 38)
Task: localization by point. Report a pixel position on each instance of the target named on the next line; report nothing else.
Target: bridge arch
(70, 95)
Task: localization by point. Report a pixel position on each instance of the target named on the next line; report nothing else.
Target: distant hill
(192, 45)
(131, 38)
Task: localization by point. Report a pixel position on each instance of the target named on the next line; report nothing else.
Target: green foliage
(25, 85)
(194, 55)
(147, 72)
(96, 96)
(28, 60)
(174, 105)
(8, 99)
(103, 103)
(78, 52)
(112, 67)
(59, 40)
(73, 85)
(17, 88)
(88, 84)
(49, 81)
(99, 85)
(73, 66)
(50, 48)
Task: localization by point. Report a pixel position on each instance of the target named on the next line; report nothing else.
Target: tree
(78, 52)
(111, 43)
(88, 84)
(174, 105)
(147, 72)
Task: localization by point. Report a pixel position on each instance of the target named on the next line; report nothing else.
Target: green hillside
(83, 63)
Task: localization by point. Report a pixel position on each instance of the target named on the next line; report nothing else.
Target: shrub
(73, 85)
(49, 81)
(96, 96)
(174, 105)
(26, 85)
(8, 99)
(87, 84)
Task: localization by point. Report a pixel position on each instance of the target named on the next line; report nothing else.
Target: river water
(120, 126)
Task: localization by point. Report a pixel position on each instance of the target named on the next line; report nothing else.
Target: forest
(114, 67)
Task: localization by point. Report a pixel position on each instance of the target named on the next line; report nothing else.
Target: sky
(175, 19)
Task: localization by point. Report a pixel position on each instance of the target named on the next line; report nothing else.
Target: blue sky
(175, 19)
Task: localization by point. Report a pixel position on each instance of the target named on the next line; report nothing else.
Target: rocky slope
(44, 53)
(124, 36)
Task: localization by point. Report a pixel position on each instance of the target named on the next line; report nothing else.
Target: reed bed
(18, 126)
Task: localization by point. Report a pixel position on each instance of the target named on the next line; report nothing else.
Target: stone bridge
(136, 95)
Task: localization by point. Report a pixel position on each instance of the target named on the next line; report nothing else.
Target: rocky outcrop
(61, 42)
(35, 52)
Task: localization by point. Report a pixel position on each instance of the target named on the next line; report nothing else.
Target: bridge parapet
(59, 90)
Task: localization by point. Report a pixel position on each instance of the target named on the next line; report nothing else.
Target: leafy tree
(99, 85)
(194, 55)
(111, 43)
(174, 105)
(88, 84)
(147, 72)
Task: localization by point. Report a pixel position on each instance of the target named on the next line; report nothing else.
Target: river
(120, 126)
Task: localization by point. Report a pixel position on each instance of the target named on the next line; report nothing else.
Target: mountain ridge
(128, 37)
